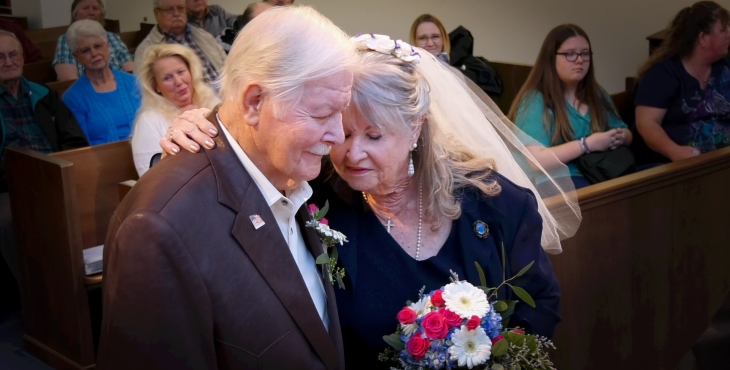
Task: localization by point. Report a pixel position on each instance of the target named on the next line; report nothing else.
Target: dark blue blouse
(381, 277)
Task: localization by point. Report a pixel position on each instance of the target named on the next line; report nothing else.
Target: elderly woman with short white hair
(104, 100)
(66, 65)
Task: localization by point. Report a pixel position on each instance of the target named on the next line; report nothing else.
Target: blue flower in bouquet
(492, 323)
(444, 329)
(459, 326)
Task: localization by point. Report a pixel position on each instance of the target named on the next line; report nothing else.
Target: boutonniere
(330, 239)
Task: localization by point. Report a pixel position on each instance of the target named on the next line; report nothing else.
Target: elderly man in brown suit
(208, 263)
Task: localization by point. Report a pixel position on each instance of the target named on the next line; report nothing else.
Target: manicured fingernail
(194, 148)
(213, 131)
(209, 144)
(175, 150)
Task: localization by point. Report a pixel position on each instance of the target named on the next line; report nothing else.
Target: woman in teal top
(563, 107)
(104, 101)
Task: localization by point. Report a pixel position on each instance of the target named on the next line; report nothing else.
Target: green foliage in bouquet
(475, 337)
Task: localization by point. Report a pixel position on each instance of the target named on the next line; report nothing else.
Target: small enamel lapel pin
(257, 221)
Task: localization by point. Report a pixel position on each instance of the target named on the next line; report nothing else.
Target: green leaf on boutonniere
(394, 341)
(524, 270)
(322, 259)
(500, 348)
(497, 367)
(334, 256)
(322, 212)
(523, 295)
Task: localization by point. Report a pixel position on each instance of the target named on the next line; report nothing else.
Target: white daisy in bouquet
(460, 326)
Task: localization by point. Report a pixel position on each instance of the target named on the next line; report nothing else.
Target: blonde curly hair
(203, 95)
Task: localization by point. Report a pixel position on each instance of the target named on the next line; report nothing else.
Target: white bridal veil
(461, 112)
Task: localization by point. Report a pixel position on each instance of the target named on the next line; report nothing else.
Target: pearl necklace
(420, 218)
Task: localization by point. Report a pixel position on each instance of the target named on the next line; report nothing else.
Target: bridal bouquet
(461, 326)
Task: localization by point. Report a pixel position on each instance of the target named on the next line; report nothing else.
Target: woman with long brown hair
(683, 96)
(563, 107)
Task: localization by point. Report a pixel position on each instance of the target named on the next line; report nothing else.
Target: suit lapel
(266, 247)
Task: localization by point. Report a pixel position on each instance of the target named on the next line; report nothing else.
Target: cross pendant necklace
(387, 226)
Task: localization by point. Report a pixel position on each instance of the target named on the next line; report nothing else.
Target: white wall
(505, 30)
(30, 9)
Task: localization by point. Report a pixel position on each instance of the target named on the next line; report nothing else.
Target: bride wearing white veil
(462, 115)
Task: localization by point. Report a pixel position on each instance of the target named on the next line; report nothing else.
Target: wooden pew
(61, 204)
(60, 86)
(46, 34)
(20, 21)
(53, 33)
(648, 267)
(513, 77)
(41, 72)
(132, 39)
(47, 48)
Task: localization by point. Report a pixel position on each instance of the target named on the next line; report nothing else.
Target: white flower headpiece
(385, 45)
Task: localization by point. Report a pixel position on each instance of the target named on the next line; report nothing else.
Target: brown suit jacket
(190, 284)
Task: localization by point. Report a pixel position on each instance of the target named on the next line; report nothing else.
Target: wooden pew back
(41, 72)
(47, 48)
(53, 33)
(46, 34)
(132, 39)
(61, 204)
(98, 171)
(60, 87)
(513, 77)
(648, 267)
(19, 20)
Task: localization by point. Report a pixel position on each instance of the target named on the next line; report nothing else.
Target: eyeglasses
(572, 57)
(424, 39)
(171, 9)
(13, 56)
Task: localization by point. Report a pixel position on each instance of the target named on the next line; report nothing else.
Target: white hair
(84, 28)
(12, 36)
(283, 48)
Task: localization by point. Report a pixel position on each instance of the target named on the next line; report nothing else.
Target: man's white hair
(83, 28)
(282, 49)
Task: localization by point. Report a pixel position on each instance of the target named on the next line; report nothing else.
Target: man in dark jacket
(31, 116)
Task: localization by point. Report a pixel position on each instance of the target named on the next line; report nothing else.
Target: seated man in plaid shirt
(172, 28)
(34, 117)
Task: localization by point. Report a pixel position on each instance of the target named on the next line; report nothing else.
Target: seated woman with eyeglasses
(103, 100)
(66, 65)
(563, 107)
(427, 32)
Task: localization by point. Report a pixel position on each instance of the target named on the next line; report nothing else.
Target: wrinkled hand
(683, 152)
(602, 141)
(189, 130)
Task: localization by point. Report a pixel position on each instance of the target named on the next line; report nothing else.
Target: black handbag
(606, 165)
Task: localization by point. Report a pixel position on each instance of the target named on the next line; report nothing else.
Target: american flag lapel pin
(257, 221)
